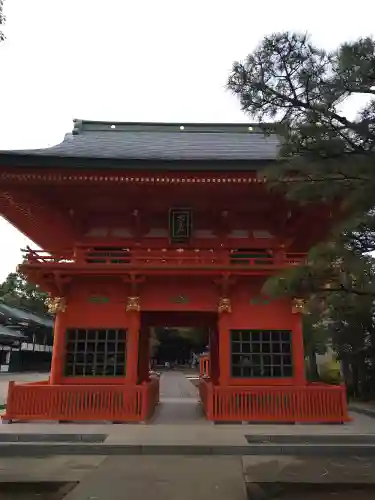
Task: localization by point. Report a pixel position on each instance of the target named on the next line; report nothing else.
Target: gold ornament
(298, 306)
(133, 304)
(56, 304)
(224, 305)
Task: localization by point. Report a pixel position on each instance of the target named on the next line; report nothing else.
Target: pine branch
(343, 290)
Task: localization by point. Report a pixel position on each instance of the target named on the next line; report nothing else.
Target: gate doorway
(175, 340)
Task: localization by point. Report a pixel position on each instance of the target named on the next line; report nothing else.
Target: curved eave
(51, 161)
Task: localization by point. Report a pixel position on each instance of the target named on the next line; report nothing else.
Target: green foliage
(299, 91)
(331, 374)
(325, 155)
(315, 341)
(177, 343)
(330, 269)
(153, 342)
(2, 20)
(193, 336)
(315, 336)
(17, 291)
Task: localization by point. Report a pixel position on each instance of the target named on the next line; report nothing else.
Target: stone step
(164, 478)
(7, 437)
(313, 439)
(44, 449)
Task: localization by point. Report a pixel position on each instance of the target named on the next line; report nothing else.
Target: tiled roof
(165, 142)
(21, 315)
(10, 334)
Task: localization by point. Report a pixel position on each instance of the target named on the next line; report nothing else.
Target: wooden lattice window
(261, 353)
(95, 352)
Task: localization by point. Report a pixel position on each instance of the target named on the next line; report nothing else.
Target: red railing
(47, 257)
(310, 404)
(160, 259)
(116, 403)
(204, 367)
(205, 395)
(153, 396)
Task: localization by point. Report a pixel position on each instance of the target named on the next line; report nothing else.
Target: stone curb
(43, 450)
(275, 439)
(51, 438)
(362, 411)
(330, 439)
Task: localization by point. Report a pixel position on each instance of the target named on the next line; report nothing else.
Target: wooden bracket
(61, 283)
(225, 282)
(134, 280)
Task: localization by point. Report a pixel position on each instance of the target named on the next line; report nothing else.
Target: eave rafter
(41, 223)
(159, 179)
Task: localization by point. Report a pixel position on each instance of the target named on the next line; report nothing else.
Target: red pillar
(58, 351)
(298, 351)
(132, 347)
(144, 355)
(214, 356)
(224, 347)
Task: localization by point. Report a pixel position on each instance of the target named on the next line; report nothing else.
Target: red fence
(310, 404)
(159, 259)
(120, 403)
(204, 366)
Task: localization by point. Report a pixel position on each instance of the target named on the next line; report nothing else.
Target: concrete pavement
(182, 433)
(164, 478)
(179, 402)
(181, 478)
(54, 468)
(174, 384)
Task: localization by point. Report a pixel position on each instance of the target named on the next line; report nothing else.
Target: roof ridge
(80, 126)
(181, 122)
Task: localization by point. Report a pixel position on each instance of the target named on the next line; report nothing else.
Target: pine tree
(17, 291)
(2, 21)
(298, 91)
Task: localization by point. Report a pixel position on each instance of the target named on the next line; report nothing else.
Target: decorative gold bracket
(224, 305)
(133, 304)
(298, 306)
(56, 304)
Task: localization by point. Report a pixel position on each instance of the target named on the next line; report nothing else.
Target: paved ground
(181, 478)
(164, 478)
(35, 491)
(271, 469)
(54, 468)
(174, 384)
(179, 401)
(313, 478)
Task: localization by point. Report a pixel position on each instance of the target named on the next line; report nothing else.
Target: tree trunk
(313, 366)
(347, 375)
(362, 376)
(355, 372)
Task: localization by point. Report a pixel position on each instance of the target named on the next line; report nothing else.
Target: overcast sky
(134, 60)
